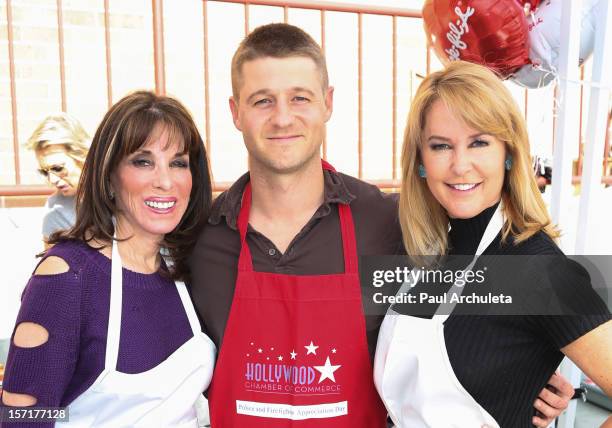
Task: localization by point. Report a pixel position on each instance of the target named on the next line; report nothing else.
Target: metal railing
(160, 79)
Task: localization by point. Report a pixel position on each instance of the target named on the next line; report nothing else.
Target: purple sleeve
(44, 372)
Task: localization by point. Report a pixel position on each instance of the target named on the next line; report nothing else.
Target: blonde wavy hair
(477, 96)
(61, 129)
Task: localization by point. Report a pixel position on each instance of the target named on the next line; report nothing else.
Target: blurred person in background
(60, 144)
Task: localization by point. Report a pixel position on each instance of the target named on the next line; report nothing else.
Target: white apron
(412, 371)
(163, 396)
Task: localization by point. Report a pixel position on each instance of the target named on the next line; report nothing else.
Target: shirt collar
(228, 203)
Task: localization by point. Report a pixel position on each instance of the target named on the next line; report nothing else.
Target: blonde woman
(466, 164)
(60, 144)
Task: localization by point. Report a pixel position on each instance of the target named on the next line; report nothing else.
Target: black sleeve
(574, 306)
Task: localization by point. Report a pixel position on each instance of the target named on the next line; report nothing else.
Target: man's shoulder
(366, 193)
(376, 218)
(226, 206)
(222, 219)
(217, 206)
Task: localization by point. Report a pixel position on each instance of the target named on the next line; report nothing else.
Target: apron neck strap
(245, 262)
(347, 228)
(192, 316)
(494, 226)
(114, 312)
(349, 242)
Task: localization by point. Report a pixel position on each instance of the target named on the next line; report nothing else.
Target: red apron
(294, 352)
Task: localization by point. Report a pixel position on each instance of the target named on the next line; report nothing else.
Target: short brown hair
(276, 41)
(126, 127)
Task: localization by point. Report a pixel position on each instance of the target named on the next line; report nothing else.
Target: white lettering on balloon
(458, 29)
(533, 25)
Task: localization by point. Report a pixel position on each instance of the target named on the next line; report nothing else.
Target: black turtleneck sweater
(504, 361)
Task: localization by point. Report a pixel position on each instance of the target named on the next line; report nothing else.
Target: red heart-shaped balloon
(493, 33)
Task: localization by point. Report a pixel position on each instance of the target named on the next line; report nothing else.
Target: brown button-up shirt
(315, 250)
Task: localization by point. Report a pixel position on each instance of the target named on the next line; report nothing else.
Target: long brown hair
(126, 127)
(477, 96)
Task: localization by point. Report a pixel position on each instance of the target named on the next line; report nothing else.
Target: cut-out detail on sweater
(52, 265)
(30, 335)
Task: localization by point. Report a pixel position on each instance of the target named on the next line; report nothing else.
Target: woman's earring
(111, 195)
(508, 163)
(422, 172)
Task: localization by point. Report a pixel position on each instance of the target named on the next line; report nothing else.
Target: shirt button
(272, 251)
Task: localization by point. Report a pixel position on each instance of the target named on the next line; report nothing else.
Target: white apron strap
(114, 314)
(493, 228)
(188, 305)
(194, 322)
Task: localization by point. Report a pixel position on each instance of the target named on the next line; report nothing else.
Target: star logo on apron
(266, 370)
(327, 371)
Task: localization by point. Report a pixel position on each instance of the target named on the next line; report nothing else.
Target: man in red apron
(294, 350)
(275, 275)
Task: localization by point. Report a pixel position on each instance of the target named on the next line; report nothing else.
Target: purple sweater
(73, 307)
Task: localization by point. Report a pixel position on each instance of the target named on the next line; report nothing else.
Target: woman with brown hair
(468, 189)
(103, 328)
